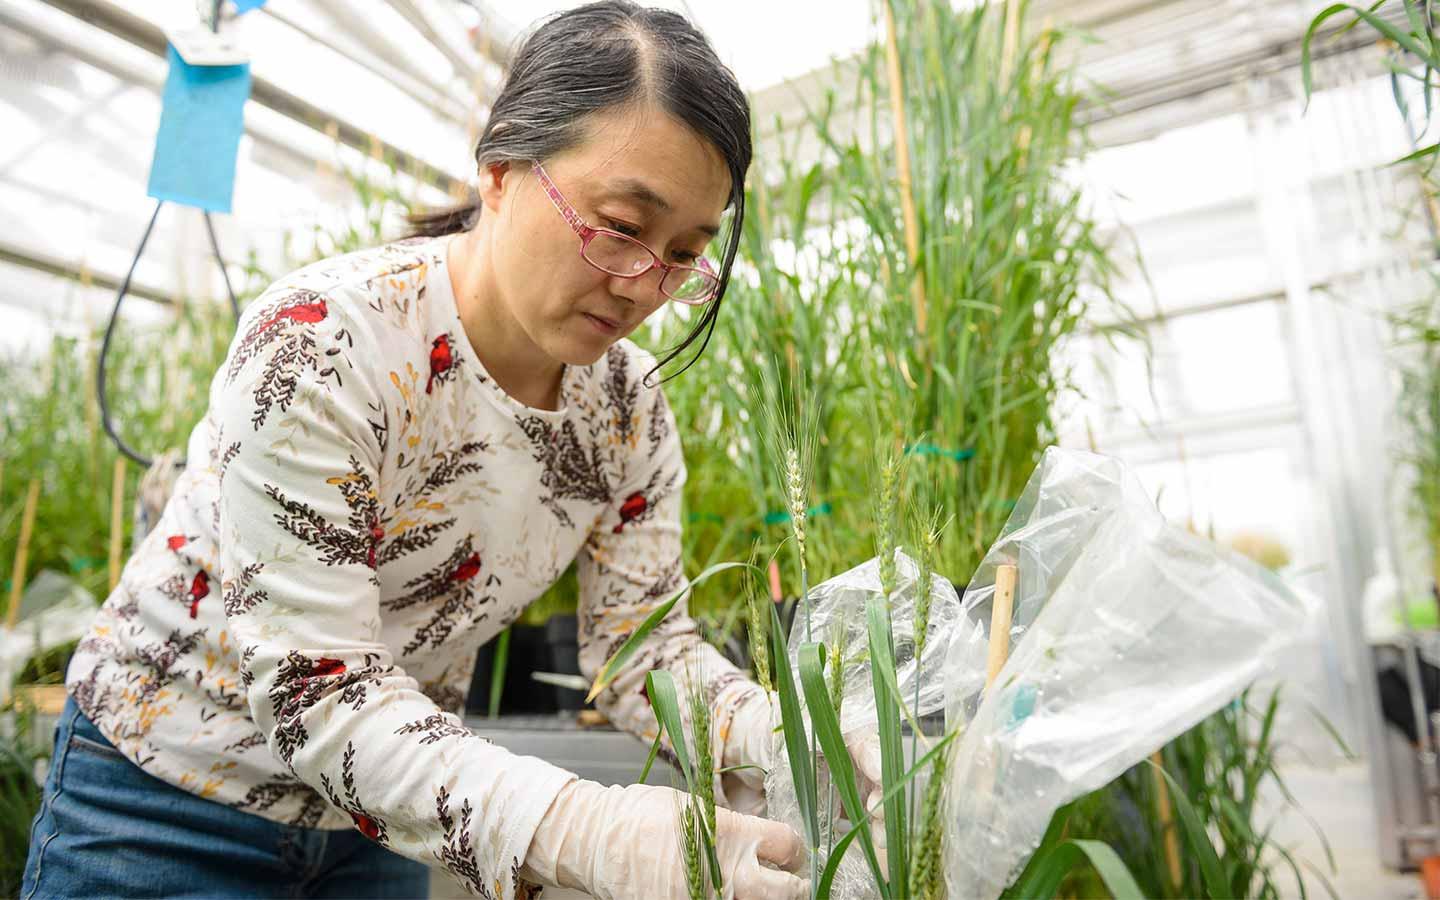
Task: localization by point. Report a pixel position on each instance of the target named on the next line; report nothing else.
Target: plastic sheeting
(54, 610)
(1126, 631)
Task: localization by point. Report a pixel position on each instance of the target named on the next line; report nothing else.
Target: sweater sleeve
(631, 563)
(299, 523)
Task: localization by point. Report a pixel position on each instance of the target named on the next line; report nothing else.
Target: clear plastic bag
(837, 617)
(1126, 632)
(53, 611)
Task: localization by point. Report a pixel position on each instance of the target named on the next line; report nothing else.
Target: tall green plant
(50, 430)
(965, 330)
(20, 795)
(1214, 776)
(954, 347)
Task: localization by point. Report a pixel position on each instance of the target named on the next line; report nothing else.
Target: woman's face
(638, 172)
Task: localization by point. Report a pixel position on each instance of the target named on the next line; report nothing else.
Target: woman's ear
(492, 184)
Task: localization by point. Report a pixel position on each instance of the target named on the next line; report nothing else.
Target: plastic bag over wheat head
(1126, 632)
(838, 619)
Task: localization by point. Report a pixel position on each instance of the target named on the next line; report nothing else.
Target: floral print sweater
(362, 507)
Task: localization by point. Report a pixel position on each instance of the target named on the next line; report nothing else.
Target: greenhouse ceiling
(409, 81)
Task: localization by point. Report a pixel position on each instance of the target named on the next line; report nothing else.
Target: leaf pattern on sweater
(365, 508)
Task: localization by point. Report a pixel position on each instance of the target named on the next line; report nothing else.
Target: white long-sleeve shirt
(362, 508)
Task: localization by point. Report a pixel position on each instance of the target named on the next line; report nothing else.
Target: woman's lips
(604, 326)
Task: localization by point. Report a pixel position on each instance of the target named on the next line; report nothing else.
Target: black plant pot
(564, 652)
(533, 648)
(521, 694)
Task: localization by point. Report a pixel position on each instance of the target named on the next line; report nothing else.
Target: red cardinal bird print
(441, 359)
(175, 542)
(320, 668)
(314, 311)
(366, 825)
(467, 569)
(327, 666)
(199, 590)
(633, 508)
(376, 533)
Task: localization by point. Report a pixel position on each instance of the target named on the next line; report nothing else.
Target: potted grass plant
(925, 283)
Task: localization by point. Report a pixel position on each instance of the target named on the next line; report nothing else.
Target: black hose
(110, 429)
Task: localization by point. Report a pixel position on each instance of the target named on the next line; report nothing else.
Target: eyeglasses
(621, 255)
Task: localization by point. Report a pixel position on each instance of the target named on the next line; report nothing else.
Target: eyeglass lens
(621, 256)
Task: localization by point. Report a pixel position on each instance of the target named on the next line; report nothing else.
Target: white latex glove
(750, 741)
(624, 842)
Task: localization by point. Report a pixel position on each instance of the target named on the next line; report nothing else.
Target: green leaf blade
(792, 720)
(892, 752)
(1198, 839)
(832, 743)
(620, 657)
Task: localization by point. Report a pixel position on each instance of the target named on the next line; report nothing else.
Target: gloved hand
(750, 741)
(624, 842)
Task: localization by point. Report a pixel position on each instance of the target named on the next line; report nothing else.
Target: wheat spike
(795, 490)
(885, 515)
(758, 626)
(690, 836)
(929, 881)
(929, 543)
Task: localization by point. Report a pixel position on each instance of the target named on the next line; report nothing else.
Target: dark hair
(603, 55)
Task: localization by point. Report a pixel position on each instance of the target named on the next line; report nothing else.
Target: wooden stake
(1002, 609)
(22, 552)
(117, 519)
(1012, 40)
(1167, 822)
(902, 154)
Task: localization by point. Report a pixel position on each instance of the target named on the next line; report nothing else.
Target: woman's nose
(643, 291)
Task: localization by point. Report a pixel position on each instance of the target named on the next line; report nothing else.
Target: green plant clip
(962, 455)
(780, 517)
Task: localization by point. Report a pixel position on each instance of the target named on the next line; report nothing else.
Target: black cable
(224, 273)
(105, 345)
(115, 318)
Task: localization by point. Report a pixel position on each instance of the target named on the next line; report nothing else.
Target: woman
(405, 447)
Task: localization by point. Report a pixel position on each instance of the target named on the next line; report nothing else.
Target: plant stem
(837, 697)
(810, 739)
(915, 732)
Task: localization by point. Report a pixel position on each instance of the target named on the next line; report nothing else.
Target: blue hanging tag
(201, 122)
(244, 6)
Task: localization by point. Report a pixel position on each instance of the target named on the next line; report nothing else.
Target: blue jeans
(107, 828)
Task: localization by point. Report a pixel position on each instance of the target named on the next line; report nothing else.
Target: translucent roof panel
(80, 106)
(762, 41)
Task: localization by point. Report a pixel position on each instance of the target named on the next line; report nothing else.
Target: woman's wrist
(557, 855)
(744, 723)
